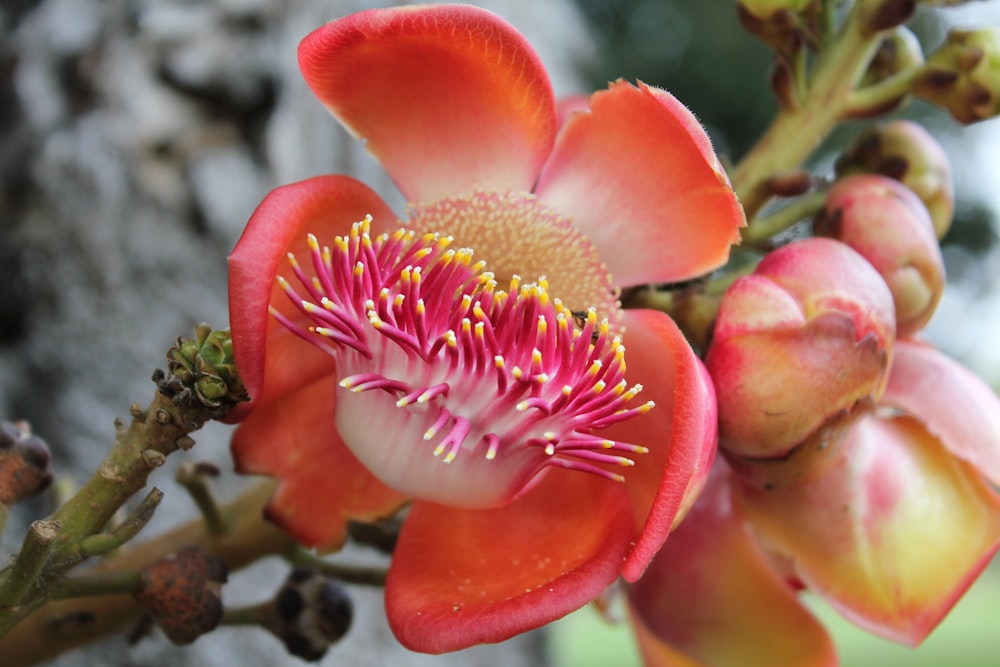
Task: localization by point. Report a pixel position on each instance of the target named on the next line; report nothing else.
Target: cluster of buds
(963, 75)
(201, 373)
(786, 25)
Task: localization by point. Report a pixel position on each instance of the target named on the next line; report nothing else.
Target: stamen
(514, 374)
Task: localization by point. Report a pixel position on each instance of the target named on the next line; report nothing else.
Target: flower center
(452, 390)
(518, 235)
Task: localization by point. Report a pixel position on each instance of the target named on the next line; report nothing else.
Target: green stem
(23, 576)
(796, 132)
(103, 543)
(4, 512)
(196, 485)
(53, 629)
(862, 102)
(762, 229)
(365, 576)
(105, 583)
(250, 615)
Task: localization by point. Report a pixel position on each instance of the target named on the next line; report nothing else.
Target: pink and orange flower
(393, 367)
(883, 501)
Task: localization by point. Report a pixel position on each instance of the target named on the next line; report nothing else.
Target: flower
(496, 407)
(891, 532)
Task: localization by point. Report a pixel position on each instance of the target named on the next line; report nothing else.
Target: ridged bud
(784, 24)
(201, 372)
(25, 462)
(803, 339)
(963, 75)
(182, 593)
(890, 227)
(907, 152)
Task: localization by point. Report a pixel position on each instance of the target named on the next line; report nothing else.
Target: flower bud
(181, 593)
(309, 613)
(804, 338)
(963, 75)
(898, 51)
(889, 225)
(908, 153)
(784, 24)
(25, 462)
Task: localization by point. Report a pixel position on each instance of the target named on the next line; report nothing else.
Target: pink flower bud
(908, 153)
(884, 221)
(797, 343)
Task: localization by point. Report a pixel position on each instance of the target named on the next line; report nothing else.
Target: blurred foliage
(698, 51)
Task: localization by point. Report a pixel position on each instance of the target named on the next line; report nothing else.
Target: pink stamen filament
(412, 299)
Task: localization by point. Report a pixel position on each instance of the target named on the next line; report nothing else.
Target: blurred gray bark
(135, 140)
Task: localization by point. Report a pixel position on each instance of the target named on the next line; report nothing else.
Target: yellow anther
(398, 300)
(282, 283)
(359, 270)
(599, 386)
(346, 383)
(607, 444)
(498, 361)
(466, 325)
(543, 325)
(291, 260)
(550, 449)
(312, 241)
(421, 308)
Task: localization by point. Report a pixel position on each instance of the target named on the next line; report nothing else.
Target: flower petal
(320, 483)
(892, 534)
(465, 577)
(448, 97)
(680, 431)
(271, 359)
(953, 404)
(711, 598)
(638, 176)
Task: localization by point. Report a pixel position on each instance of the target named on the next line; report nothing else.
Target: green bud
(201, 372)
(963, 75)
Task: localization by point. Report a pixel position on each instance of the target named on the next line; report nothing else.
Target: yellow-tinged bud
(963, 76)
(784, 24)
(884, 221)
(908, 153)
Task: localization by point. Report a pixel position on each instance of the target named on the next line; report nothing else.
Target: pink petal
(465, 577)
(272, 361)
(448, 97)
(638, 176)
(953, 404)
(892, 534)
(320, 483)
(710, 598)
(680, 431)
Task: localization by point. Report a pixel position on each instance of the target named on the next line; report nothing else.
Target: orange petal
(273, 361)
(448, 97)
(465, 577)
(638, 176)
(320, 483)
(680, 431)
(892, 534)
(953, 404)
(710, 598)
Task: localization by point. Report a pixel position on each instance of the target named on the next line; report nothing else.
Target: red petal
(711, 598)
(272, 361)
(892, 534)
(637, 175)
(953, 404)
(447, 97)
(465, 577)
(680, 431)
(320, 483)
